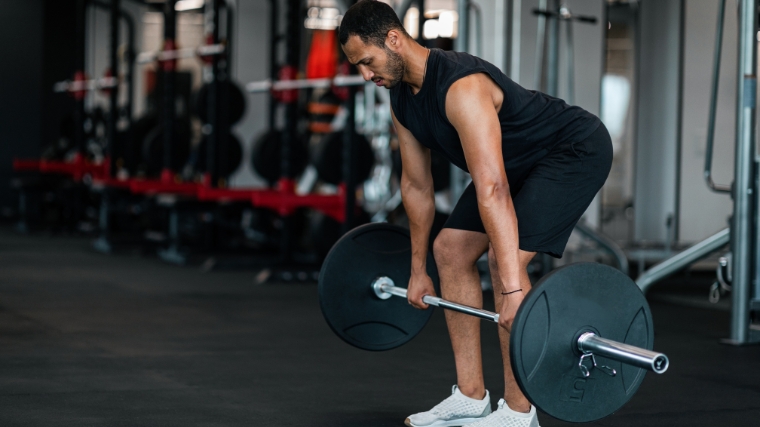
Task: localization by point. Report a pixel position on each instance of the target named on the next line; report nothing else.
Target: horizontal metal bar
(388, 288)
(472, 311)
(81, 85)
(168, 55)
(440, 302)
(625, 353)
(267, 85)
(683, 259)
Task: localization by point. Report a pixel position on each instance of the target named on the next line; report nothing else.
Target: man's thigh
(559, 189)
(553, 196)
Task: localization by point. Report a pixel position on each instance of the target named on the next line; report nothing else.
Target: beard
(394, 68)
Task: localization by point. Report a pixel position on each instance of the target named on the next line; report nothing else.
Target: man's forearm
(419, 204)
(498, 214)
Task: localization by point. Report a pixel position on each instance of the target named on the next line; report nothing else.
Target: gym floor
(94, 340)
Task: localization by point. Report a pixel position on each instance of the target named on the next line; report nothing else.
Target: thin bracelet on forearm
(511, 292)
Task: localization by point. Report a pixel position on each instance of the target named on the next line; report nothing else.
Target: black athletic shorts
(552, 197)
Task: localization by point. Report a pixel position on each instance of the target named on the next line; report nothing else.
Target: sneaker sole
(451, 423)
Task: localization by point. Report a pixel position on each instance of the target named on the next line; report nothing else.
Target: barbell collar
(278, 85)
(591, 343)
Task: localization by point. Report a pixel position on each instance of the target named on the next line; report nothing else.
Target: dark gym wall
(21, 28)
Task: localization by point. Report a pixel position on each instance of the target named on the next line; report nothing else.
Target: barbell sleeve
(631, 355)
(588, 343)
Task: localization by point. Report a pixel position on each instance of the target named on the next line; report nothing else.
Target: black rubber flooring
(94, 340)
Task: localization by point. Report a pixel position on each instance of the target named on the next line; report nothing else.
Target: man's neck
(416, 64)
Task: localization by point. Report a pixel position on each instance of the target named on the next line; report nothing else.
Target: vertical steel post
(515, 40)
(223, 118)
(349, 135)
(210, 132)
(79, 59)
(129, 80)
(714, 101)
(113, 100)
(570, 58)
(113, 116)
(168, 69)
(293, 27)
(457, 176)
(463, 31)
(420, 21)
(274, 40)
(540, 64)
(741, 228)
(552, 48)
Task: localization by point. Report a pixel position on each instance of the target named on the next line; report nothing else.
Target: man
(536, 164)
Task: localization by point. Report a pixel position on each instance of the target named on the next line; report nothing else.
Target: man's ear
(393, 40)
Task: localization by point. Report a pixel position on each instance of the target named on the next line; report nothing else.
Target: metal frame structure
(743, 233)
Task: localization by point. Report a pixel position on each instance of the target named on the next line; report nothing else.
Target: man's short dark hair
(370, 20)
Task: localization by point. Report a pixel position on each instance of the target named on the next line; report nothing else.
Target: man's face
(379, 64)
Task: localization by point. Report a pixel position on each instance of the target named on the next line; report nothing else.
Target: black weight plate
(130, 144)
(346, 297)
(236, 105)
(329, 159)
(563, 304)
(234, 151)
(267, 152)
(440, 168)
(153, 150)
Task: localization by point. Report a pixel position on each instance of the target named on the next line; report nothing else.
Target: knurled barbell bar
(578, 319)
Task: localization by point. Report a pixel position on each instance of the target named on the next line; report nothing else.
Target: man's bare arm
(418, 197)
(471, 106)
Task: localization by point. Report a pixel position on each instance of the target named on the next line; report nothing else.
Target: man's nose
(366, 73)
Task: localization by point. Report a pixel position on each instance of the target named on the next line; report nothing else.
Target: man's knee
(444, 249)
(451, 250)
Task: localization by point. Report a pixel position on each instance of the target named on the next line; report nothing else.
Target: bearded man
(536, 164)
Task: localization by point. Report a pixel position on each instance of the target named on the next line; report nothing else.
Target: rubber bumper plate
(571, 300)
(348, 302)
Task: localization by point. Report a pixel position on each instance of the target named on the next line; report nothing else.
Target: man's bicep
(470, 109)
(415, 158)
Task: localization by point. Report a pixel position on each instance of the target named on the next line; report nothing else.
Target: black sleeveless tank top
(531, 122)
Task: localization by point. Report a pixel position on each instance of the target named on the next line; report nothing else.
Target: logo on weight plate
(576, 389)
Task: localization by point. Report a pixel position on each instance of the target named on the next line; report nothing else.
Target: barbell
(278, 85)
(80, 84)
(174, 54)
(581, 341)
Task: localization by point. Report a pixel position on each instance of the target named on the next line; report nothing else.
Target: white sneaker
(455, 410)
(504, 416)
